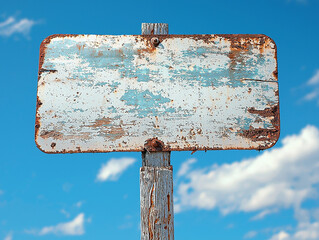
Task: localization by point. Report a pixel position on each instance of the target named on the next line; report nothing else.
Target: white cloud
(79, 204)
(308, 231)
(65, 213)
(185, 167)
(305, 231)
(264, 213)
(282, 177)
(13, 26)
(281, 236)
(314, 79)
(313, 82)
(250, 235)
(74, 227)
(67, 187)
(312, 95)
(9, 237)
(113, 169)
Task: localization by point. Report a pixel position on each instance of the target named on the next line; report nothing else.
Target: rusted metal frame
(156, 176)
(53, 135)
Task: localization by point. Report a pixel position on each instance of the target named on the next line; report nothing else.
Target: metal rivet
(155, 41)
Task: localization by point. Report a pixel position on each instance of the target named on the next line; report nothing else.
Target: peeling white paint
(112, 93)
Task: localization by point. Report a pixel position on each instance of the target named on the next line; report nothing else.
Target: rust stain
(149, 214)
(37, 120)
(199, 131)
(110, 131)
(169, 215)
(102, 122)
(193, 151)
(243, 43)
(80, 46)
(146, 50)
(268, 112)
(154, 145)
(116, 132)
(100, 54)
(39, 103)
(237, 49)
(42, 53)
(47, 70)
(51, 134)
(261, 134)
(47, 41)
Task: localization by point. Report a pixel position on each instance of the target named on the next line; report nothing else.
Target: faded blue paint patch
(121, 60)
(145, 103)
(78, 110)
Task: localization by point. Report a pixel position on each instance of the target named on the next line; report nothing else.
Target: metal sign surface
(192, 92)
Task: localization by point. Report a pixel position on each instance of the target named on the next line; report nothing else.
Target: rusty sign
(178, 92)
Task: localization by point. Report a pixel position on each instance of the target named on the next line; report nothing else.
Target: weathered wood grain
(156, 159)
(154, 28)
(156, 182)
(195, 92)
(156, 193)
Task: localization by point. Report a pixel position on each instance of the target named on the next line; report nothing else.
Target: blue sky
(229, 194)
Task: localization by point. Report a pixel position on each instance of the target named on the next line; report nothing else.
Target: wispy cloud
(113, 169)
(279, 178)
(314, 79)
(74, 227)
(250, 235)
(282, 235)
(12, 26)
(313, 82)
(65, 213)
(264, 213)
(307, 228)
(304, 231)
(185, 167)
(79, 204)
(9, 236)
(67, 187)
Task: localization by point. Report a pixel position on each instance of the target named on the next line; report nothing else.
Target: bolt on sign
(157, 93)
(102, 93)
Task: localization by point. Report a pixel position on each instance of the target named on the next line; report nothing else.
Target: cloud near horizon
(113, 169)
(9, 236)
(12, 26)
(305, 231)
(282, 177)
(313, 82)
(72, 228)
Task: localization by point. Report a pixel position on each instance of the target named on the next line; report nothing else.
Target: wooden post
(156, 181)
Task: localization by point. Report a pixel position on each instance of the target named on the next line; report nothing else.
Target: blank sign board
(191, 92)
